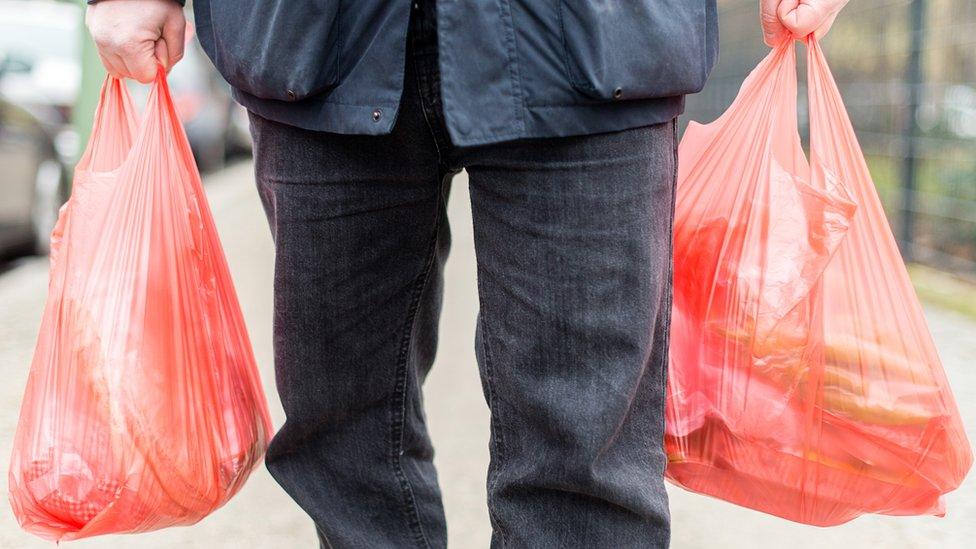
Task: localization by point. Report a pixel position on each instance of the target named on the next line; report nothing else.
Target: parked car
(40, 52)
(40, 57)
(33, 181)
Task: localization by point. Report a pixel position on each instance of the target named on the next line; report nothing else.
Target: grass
(944, 290)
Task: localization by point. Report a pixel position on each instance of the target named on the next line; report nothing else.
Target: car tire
(48, 197)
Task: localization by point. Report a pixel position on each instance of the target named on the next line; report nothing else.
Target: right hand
(795, 19)
(134, 36)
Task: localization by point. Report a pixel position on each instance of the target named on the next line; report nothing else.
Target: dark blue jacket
(509, 68)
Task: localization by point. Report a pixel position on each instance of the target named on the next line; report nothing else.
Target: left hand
(795, 19)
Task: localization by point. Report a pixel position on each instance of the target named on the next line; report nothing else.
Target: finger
(174, 33)
(113, 65)
(823, 29)
(140, 62)
(801, 18)
(774, 33)
(109, 67)
(162, 53)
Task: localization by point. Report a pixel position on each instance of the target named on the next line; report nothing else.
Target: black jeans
(573, 243)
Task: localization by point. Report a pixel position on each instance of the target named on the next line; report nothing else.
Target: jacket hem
(544, 121)
(317, 115)
(539, 121)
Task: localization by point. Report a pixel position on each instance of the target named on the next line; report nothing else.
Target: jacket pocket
(274, 49)
(636, 49)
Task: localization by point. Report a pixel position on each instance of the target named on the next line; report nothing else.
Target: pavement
(262, 516)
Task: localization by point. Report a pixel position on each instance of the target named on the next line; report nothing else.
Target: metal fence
(907, 71)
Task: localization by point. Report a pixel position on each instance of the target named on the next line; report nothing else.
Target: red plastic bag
(143, 408)
(804, 382)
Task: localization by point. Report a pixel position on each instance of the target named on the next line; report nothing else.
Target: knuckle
(796, 29)
(144, 76)
(103, 46)
(101, 39)
(114, 43)
(128, 45)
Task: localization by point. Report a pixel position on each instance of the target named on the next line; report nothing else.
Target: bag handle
(117, 130)
(833, 143)
(113, 129)
(801, 194)
(765, 106)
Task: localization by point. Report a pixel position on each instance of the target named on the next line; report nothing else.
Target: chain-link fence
(907, 71)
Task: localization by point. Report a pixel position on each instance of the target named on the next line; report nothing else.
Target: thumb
(173, 39)
(774, 33)
(141, 65)
(802, 18)
(822, 29)
(162, 53)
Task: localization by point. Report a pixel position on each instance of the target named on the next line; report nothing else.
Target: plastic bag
(804, 382)
(143, 408)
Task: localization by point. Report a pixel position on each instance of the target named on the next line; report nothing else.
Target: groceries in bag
(143, 408)
(803, 382)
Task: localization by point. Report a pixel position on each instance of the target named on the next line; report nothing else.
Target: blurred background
(49, 81)
(907, 72)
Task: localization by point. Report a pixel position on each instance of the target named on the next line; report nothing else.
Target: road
(262, 516)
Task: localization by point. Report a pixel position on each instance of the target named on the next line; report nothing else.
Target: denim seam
(400, 391)
(669, 296)
(497, 431)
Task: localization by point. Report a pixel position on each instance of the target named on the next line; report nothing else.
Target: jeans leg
(573, 241)
(361, 237)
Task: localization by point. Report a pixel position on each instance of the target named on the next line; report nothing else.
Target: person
(563, 114)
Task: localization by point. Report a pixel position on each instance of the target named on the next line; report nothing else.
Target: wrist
(180, 2)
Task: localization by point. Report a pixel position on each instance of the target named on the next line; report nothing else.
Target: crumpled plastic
(803, 381)
(143, 407)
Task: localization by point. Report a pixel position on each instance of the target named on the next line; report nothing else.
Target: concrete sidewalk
(262, 516)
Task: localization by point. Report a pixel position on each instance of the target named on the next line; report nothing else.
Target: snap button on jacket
(510, 69)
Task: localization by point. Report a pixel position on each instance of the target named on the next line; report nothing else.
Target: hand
(794, 19)
(133, 36)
